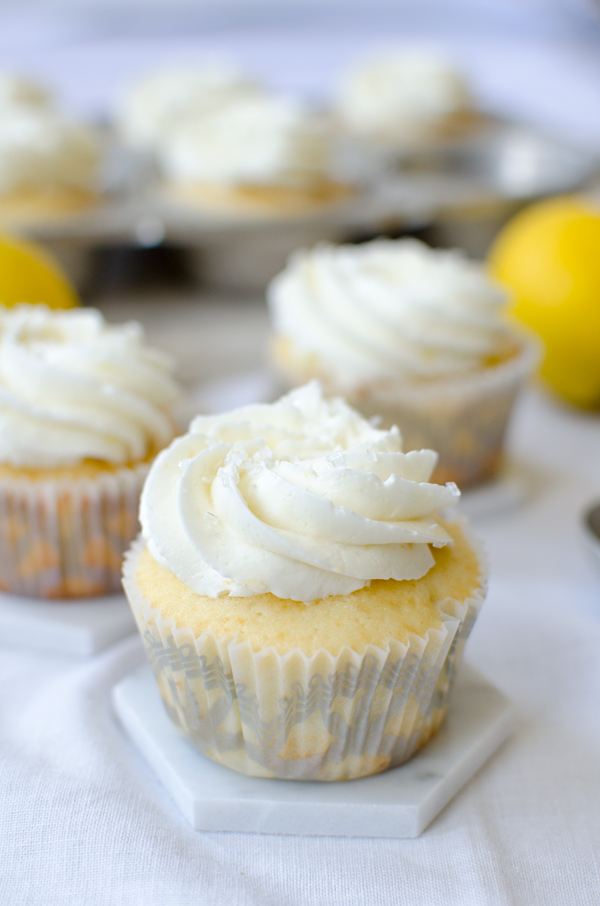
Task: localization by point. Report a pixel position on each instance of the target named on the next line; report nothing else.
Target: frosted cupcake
(255, 155)
(84, 408)
(159, 101)
(302, 604)
(406, 98)
(49, 166)
(415, 335)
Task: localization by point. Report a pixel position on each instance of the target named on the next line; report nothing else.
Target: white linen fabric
(84, 820)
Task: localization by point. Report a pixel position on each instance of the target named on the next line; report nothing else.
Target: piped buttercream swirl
(402, 91)
(156, 103)
(73, 388)
(389, 309)
(252, 140)
(40, 149)
(302, 498)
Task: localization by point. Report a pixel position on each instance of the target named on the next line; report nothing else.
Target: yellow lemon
(30, 274)
(549, 257)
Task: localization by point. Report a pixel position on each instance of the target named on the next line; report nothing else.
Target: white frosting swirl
(73, 388)
(40, 149)
(401, 89)
(253, 140)
(157, 102)
(389, 309)
(302, 498)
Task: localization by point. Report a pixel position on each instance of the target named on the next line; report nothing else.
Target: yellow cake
(387, 610)
(258, 199)
(37, 205)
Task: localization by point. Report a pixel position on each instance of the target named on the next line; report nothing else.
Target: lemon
(549, 258)
(29, 274)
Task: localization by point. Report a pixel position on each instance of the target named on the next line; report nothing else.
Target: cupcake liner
(426, 137)
(62, 538)
(296, 717)
(463, 418)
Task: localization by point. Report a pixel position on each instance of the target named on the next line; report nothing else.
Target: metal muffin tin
(459, 192)
(467, 190)
(590, 526)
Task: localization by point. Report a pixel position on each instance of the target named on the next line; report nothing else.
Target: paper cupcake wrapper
(431, 137)
(296, 717)
(463, 418)
(66, 539)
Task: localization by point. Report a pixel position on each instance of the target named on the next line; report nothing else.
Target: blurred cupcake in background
(406, 97)
(415, 335)
(84, 408)
(261, 154)
(49, 165)
(155, 103)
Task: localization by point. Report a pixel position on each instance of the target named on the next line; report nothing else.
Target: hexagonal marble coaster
(397, 803)
(82, 626)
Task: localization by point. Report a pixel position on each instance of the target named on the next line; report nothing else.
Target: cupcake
(84, 408)
(159, 101)
(415, 335)
(405, 98)
(49, 166)
(256, 155)
(303, 605)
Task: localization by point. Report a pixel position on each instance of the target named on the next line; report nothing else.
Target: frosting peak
(39, 148)
(302, 498)
(400, 90)
(389, 309)
(159, 101)
(73, 388)
(249, 140)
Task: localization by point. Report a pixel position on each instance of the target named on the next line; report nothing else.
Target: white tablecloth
(84, 821)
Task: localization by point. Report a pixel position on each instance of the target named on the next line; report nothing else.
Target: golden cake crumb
(30, 205)
(256, 199)
(387, 610)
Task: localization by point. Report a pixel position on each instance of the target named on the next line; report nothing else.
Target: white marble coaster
(397, 803)
(82, 626)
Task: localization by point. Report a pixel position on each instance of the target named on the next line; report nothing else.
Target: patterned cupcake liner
(66, 539)
(296, 717)
(463, 418)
